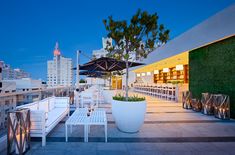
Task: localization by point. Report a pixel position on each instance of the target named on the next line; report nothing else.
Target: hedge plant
(212, 69)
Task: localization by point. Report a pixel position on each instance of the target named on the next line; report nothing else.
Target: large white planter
(128, 116)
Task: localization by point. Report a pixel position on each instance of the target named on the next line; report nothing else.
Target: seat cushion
(43, 105)
(53, 117)
(51, 104)
(33, 106)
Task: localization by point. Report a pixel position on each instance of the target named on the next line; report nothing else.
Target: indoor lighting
(143, 74)
(156, 71)
(148, 73)
(138, 75)
(165, 70)
(179, 67)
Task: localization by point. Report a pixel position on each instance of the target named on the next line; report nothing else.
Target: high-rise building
(102, 52)
(7, 73)
(59, 70)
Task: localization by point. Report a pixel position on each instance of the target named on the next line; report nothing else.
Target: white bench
(46, 114)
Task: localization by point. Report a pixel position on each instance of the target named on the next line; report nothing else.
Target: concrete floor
(168, 129)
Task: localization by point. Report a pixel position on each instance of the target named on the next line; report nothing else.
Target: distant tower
(59, 70)
(57, 50)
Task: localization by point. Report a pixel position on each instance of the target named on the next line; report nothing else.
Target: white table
(79, 117)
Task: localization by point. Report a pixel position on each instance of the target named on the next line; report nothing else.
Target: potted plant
(128, 114)
(135, 38)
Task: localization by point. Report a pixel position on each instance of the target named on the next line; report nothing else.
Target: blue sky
(29, 29)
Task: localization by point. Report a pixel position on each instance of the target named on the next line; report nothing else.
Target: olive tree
(139, 36)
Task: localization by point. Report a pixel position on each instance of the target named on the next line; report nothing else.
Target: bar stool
(159, 91)
(171, 93)
(164, 92)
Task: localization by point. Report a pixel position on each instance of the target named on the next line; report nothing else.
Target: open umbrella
(95, 74)
(106, 64)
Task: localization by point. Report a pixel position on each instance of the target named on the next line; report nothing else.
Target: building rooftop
(219, 26)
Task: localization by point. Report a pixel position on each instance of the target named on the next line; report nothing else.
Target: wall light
(143, 74)
(165, 70)
(138, 75)
(179, 67)
(156, 71)
(148, 73)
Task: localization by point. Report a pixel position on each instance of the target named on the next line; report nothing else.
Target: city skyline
(28, 34)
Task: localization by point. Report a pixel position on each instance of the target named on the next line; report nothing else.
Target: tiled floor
(168, 129)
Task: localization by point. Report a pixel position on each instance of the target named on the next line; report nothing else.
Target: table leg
(85, 133)
(66, 134)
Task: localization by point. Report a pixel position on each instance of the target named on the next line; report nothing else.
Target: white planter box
(128, 116)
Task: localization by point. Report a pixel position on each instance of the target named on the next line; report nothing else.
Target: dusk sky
(29, 29)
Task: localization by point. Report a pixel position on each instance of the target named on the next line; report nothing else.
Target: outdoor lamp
(143, 74)
(179, 67)
(165, 70)
(18, 134)
(148, 73)
(138, 75)
(156, 71)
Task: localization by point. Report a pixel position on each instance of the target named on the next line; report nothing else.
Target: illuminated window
(165, 70)
(179, 67)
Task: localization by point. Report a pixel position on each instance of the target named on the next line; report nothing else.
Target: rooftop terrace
(168, 129)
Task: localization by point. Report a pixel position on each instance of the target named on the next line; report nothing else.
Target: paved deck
(168, 129)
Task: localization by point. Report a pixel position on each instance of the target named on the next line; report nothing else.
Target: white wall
(131, 79)
(8, 86)
(98, 81)
(26, 83)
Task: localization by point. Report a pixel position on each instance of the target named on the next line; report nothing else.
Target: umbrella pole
(78, 77)
(110, 80)
(116, 83)
(77, 81)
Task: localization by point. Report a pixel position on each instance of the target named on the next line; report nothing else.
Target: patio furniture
(171, 92)
(186, 100)
(196, 105)
(88, 97)
(80, 117)
(221, 106)
(46, 114)
(207, 104)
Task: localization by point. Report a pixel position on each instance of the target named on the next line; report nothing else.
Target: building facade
(59, 70)
(200, 59)
(102, 52)
(8, 73)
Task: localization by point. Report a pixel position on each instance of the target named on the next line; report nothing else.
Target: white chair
(89, 97)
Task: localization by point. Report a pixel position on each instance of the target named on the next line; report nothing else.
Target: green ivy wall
(212, 69)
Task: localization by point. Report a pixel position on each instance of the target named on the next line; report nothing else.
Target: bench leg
(71, 128)
(66, 133)
(105, 130)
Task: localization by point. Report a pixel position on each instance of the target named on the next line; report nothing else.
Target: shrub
(134, 98)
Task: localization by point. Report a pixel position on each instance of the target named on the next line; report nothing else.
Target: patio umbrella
(106, 64)
(95, 74)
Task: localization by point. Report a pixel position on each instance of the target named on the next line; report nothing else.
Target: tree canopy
(140, 35)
